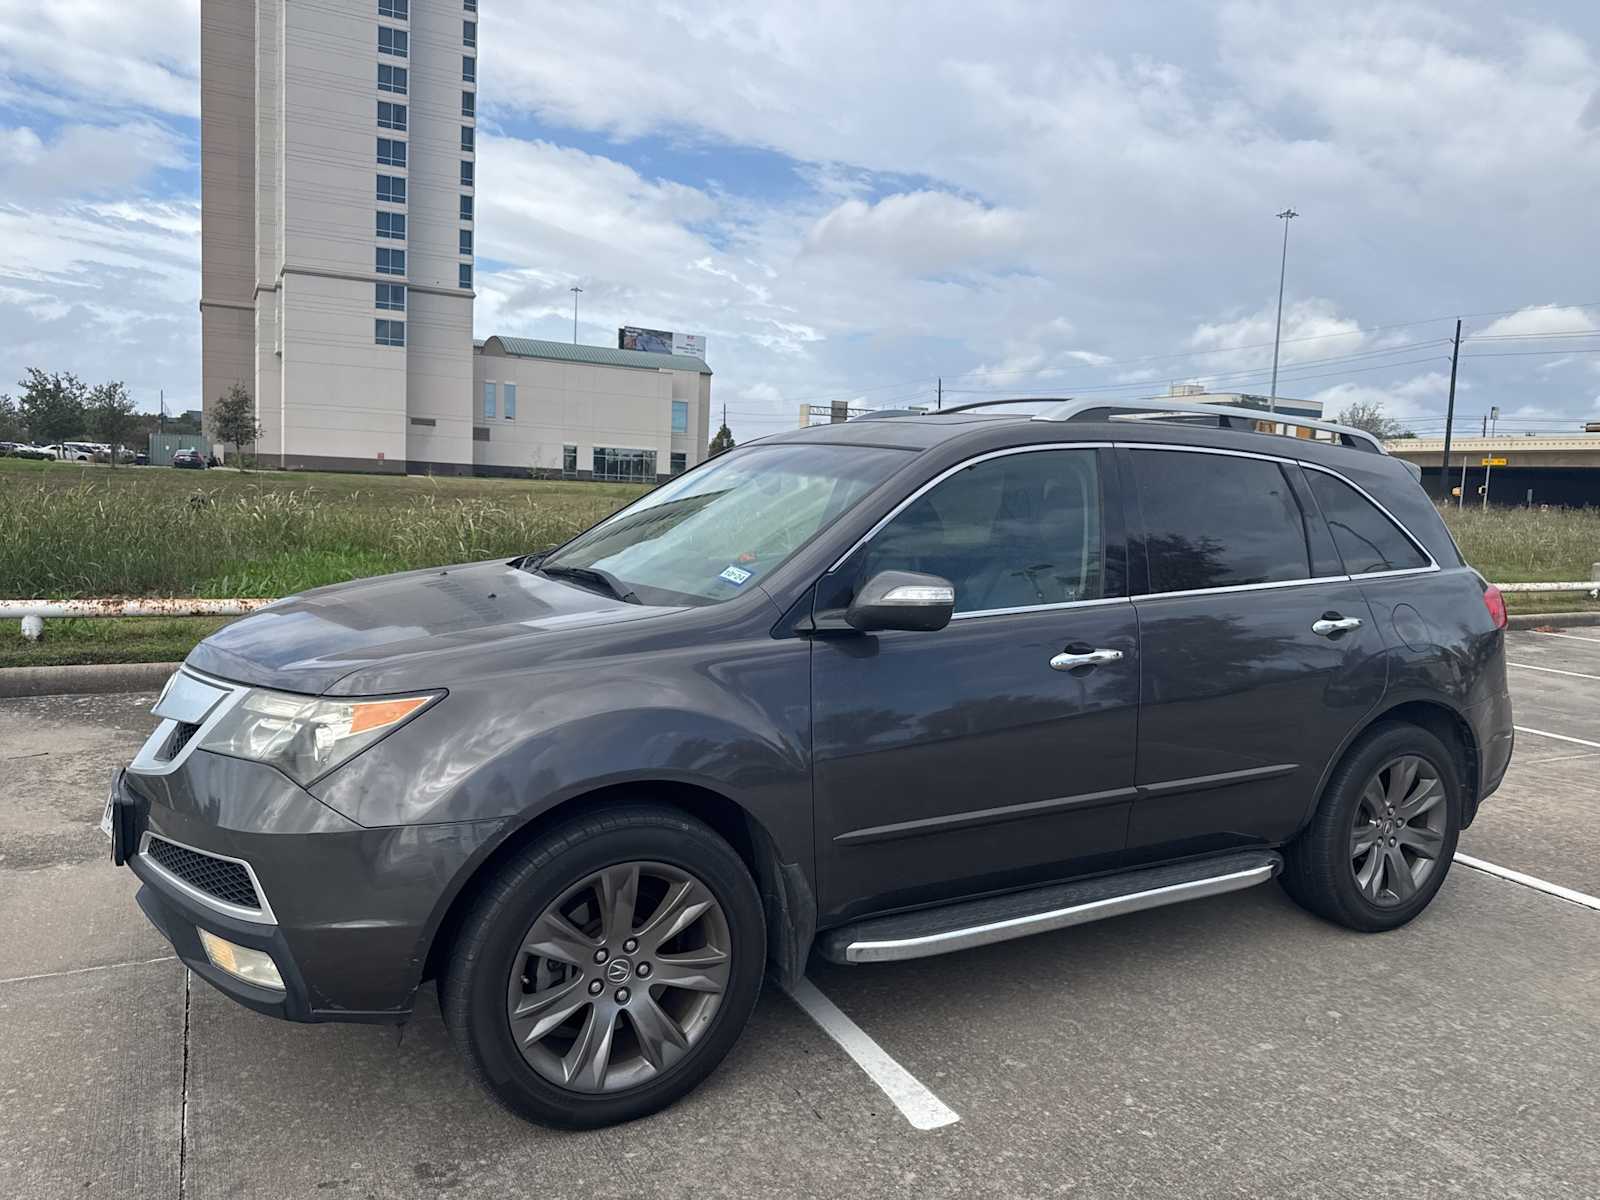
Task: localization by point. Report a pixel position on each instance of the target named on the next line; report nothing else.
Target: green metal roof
(603, 356)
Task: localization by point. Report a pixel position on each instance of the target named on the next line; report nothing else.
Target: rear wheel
(1381, 841)
(607, 969)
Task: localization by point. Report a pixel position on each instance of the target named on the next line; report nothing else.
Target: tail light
(1496, 604)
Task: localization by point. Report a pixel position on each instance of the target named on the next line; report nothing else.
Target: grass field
(69, 530)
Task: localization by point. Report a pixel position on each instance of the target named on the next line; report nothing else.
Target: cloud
(1541, 319)
(920, 233)
(84, 160)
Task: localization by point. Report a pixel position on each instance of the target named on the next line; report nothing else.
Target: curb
(1556, 620)
(91, 678)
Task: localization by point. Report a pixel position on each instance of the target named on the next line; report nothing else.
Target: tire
(1326, 870)
(501, 971)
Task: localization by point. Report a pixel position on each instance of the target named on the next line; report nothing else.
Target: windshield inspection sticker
(735, 575)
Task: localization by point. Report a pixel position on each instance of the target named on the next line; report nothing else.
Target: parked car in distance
(873, 691)
(190, 459)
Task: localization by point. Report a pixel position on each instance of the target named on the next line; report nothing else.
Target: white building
(338, 186)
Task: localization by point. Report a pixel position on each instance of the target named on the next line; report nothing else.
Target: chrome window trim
(1246, 587)
(258, 916)
(1433, 563)
(946, 474)
(1433, 570)
(146, 762)
(1031, 608)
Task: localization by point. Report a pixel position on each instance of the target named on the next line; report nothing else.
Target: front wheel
(607, 969)
(1381, 841)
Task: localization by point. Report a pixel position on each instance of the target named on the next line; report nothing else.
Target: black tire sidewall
(1345, 795)
(537, 879)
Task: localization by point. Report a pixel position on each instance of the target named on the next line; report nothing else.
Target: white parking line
(1560, 737)
(143, 962)
(916, 1103)
(1569, 636)
(1550, 670)
(1532, 881)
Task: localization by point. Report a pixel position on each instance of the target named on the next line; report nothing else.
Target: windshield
(708, 535)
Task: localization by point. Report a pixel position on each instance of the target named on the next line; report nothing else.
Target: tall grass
(89, 540)
(1528, 545)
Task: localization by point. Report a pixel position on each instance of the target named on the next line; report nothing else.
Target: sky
(852, 201)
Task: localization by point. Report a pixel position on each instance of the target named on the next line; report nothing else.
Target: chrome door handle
(1327, 628)
(1065, 661)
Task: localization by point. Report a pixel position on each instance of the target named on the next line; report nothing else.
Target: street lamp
(576, 292)
(1285, 216)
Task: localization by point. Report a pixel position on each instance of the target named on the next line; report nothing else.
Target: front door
(1258, 654)
(962, 761)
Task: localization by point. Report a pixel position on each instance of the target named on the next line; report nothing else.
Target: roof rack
(1227, 416)
(955, 408)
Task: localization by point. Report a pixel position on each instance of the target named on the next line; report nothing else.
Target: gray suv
(871, 691)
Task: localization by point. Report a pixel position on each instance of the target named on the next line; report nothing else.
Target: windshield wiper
(595, 579)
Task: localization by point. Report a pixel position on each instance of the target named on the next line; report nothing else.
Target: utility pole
(1485, 424)
(1450, 416)
(576, 292)
(161, 421)
(1285, 216)
(940, 404)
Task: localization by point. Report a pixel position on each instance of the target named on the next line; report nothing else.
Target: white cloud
(920, 233)
(1541, 319)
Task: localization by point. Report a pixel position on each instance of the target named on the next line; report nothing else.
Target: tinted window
(1010, 532)
(1367, 540)
(1215, 521)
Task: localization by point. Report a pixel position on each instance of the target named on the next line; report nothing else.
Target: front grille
(216, 877)
(179, 739)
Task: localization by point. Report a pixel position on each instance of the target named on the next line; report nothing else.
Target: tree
(1369, 415)
(12, 428)
(234, 420)
(722, 441)
(110, 414)
(52, 406)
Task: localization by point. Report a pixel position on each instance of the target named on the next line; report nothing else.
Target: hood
(306, 643)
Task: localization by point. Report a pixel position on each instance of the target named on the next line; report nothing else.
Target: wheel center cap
(618, 970)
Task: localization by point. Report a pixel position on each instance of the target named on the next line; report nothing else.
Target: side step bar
(1000, 918)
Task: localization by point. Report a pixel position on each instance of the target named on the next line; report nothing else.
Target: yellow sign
(1494, 462)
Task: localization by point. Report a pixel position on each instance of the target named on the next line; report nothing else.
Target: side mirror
(902, 600)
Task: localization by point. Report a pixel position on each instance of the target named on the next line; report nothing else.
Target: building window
(391, 79)
(469, 69)
(480, 433)
(391, 152)
(470, 5)
(466, 173)
(391, 116)
(466, 241)
(625, 466)
(425, 422)
(680, 416)
(392, 41)
(569, 462)
(389, 333)
(679, 462)
(466, 208)
(464, 275)
(469, 34)
(398, 9)
(391, 189)
(391, 262)
(391, 224)
(390, 296)
(469, 104)
(511, 401)
(466, 138)
(488, 401)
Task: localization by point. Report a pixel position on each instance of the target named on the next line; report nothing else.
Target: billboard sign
(660, 341)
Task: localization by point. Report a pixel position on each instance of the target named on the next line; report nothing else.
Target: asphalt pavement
(1229, 1047)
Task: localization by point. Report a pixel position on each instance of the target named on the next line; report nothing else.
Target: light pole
(576, 292)
(1285, 216)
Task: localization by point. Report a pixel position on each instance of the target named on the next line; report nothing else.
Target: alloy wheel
(619, 978)
(1398, 831)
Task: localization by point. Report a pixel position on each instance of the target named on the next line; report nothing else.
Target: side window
(1367, 540)
(1011, 532)
(1212, 520)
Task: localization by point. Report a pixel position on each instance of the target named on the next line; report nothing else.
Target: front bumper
(348, 912)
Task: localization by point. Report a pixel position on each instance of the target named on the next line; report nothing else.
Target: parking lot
(1229, 1047)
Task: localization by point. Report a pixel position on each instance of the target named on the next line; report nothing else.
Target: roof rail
(995, 403)
(1227, 416)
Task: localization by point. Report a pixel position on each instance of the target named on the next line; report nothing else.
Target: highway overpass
(1559, 469)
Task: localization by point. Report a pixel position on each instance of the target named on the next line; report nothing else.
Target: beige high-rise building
(338, 190)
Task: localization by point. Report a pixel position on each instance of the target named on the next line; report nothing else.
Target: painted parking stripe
(1550, 670)
(1531, 881)
(1560, 737)
(916, 1103)
(1571, 637)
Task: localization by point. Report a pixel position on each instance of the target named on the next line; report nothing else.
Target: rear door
(1258, 653)
(963, 761)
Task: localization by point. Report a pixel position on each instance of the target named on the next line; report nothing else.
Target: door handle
(1327, 627)
(1092, 658)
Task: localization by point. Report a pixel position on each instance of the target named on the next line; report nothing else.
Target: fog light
(252, 966)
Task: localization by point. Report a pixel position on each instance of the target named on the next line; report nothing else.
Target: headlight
(307, 736)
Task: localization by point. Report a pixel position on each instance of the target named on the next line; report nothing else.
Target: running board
(1001, 918)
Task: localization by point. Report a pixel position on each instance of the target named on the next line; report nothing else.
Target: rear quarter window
(1367, 539)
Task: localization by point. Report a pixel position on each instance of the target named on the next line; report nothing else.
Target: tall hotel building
(338, 191)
